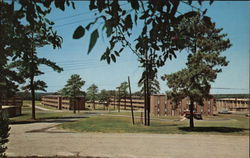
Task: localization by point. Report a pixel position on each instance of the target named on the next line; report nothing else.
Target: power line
(74, 22)
(229, 88)
(71, 16)
(82, 68)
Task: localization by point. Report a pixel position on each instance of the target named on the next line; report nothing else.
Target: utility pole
(132, 110)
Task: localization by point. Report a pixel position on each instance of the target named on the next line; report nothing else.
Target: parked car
(225, 112)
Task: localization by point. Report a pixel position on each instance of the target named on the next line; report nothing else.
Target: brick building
(12, 106)
(61, 102)
(233, 104)
(162, 106)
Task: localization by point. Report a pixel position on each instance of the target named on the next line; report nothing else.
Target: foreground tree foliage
(8, 78)
(73, 88)
(92, 94)
(206, 44)
(4, 133)
(23, 29)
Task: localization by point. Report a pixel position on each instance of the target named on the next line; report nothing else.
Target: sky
(232, 16)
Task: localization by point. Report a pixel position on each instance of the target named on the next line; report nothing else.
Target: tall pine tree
(206, 44)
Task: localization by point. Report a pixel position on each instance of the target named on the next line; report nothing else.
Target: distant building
(60, 102)
(161, 105)
(12, 106)
(233, 104)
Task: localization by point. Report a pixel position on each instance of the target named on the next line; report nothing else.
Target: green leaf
(108, 28)
(117, 54)
(93, 38)
(79, 32)
(113, 58)
(136, 17)
(103, 57)
(128, 22)
(60, 4)
(145, 15)
(121, 50)
(134, 4)
(73, 5)
(47, 3)
(200, 2)
(204, 12)
(211, 2)
(108, 59)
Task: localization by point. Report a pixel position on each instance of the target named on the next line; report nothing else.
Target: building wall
(12, 106)
(124, 102)
(162, 106)
(234, 104)
(60, 102)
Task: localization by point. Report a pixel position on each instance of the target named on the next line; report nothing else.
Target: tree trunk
(94, 104)
(33, 97)
(32, 74)
(145, 104)
(191, 108)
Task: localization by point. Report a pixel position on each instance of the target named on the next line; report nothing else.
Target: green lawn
(40, 115)
(226, 124)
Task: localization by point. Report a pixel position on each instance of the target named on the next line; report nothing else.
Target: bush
(4, 133)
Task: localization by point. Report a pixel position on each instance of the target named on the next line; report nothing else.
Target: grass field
(40, 115)
(224, 124)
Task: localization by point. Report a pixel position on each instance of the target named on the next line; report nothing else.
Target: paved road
(46, 140)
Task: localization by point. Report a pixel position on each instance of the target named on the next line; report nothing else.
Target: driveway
(44, 139)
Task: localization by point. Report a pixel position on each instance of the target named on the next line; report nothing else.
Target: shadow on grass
(212, 129)
(49, 120)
